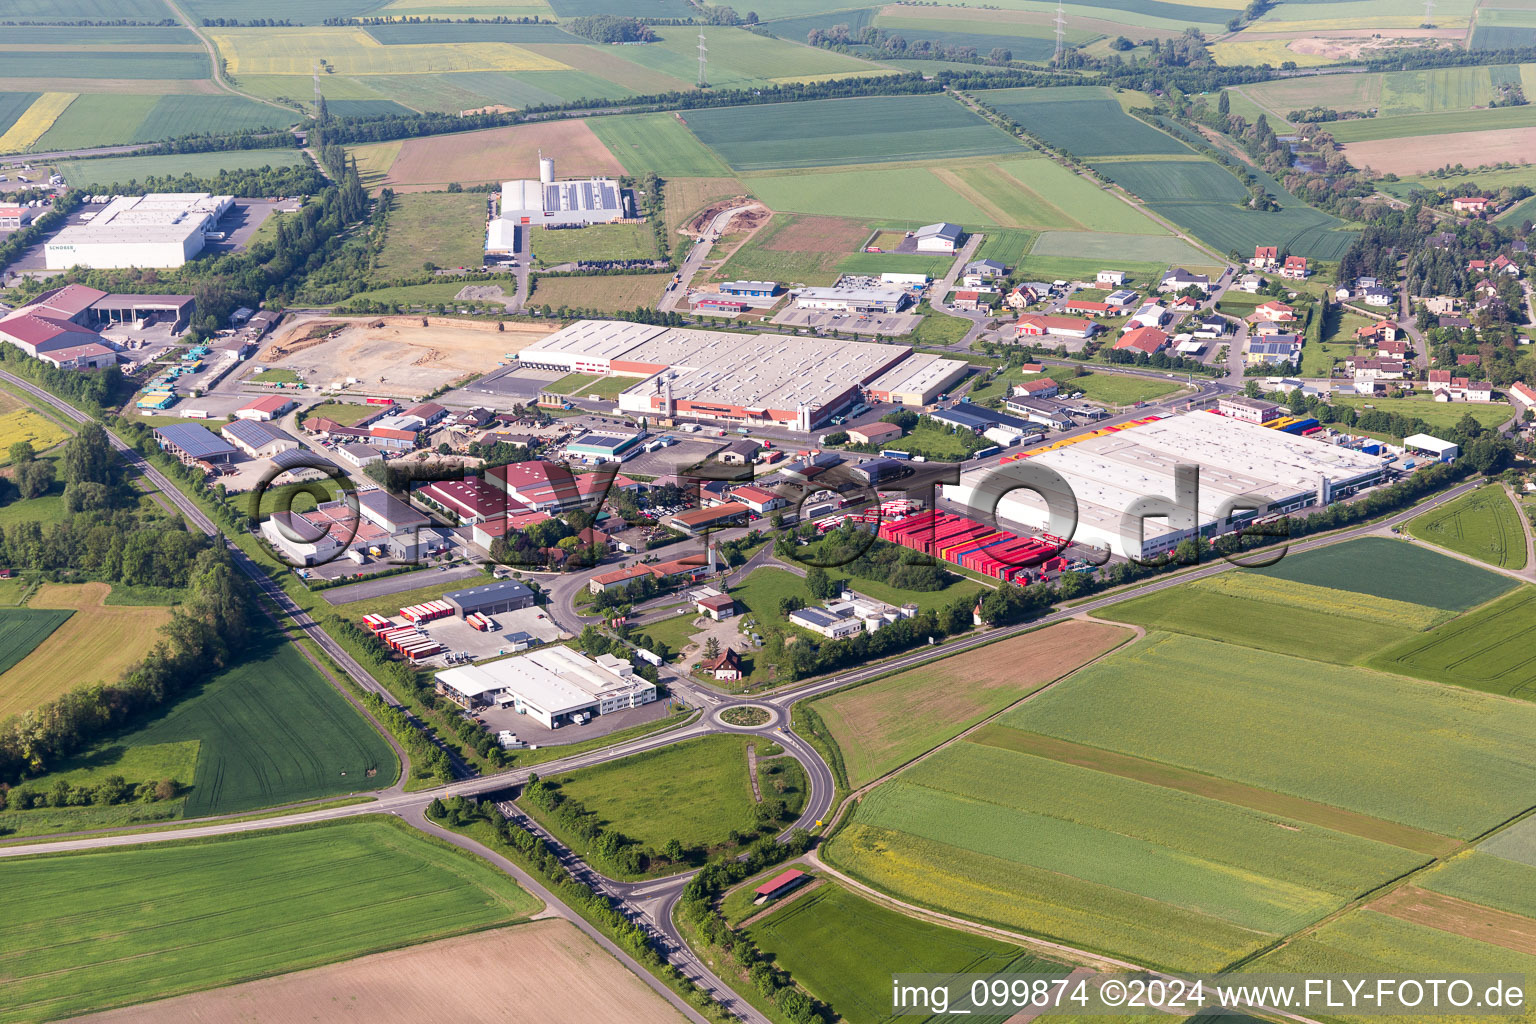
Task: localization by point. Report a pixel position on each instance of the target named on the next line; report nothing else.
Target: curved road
(650, 902)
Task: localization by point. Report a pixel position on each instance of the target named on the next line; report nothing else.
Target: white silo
(546, 170)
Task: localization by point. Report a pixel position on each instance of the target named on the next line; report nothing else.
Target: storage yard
(402, 360)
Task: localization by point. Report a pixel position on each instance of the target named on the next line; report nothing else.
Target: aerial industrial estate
(570, 511)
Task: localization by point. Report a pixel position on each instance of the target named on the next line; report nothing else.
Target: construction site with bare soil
(402, 357)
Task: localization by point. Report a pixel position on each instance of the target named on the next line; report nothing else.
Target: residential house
(1475, 205)
(1376, 295)
(1295, 268)
(969, 300)
(1441, 305)
(1149, 315)
(1274, 312)
(1143, 339)
(1265, 257)
(1471, 359)
(986, 269)
(1460, 322)
(725, 667)
(1122, 299)
(1044, 387)
(1084, 307)
(1523, 393)
(1275, 348)
(1250, 283)
(1504, 265)
(1177, 279)
(1382, 332)
(1021, 296)
(1212, 325)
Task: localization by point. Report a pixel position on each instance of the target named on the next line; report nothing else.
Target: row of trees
(300, 179)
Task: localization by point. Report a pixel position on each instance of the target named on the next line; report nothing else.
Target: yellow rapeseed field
(39, 117)
(26, 425)
(351, 51)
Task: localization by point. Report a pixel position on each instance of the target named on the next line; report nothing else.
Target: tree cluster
(611, 28)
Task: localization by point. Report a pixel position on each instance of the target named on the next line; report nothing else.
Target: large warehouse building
(918, 381)
(1111, 473)
(552, 685)
(161, 229)
(715, 375)
(551, 203)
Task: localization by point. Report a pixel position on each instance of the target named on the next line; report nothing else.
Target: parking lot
(532, 732)
(462, 638)
(859, 323)
(674, 458)
(514, 381)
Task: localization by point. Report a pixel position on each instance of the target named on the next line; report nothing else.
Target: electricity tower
(1061, 32)
(703, 60)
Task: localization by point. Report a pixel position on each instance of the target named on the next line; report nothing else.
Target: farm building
(161, 229)
(780, 884)
(845, 299)
(552, 685)
(192, 442)
(501, 596)
(1113, 473)
(546, 203)
(917, 381)
(258, 438)
(941, 237)
(266, 408)
(717, 375)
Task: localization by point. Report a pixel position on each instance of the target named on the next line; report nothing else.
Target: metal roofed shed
(780, 884)
(501, 596)
(192, 442)
(1428, 444)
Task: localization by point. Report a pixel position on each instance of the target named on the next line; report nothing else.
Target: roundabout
(748, 717)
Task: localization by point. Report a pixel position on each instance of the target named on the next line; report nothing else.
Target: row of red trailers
(1000, 554)
(405, 640)
(427, 612)
(479, 620)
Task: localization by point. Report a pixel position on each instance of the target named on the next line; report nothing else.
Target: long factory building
(800, 382)
(1114, 472)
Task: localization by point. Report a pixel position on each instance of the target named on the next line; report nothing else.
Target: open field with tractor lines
(657, 142)
(882, 725)
(1483, 524)
(22, 630)
(1242, 608)
(88, 931)
(1482, 650)
(855, 130)
(1467, 775)
(491, 155)
(843, 950)
(1395, 570)
(1086, 120)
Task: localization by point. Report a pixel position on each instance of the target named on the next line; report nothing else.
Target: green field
(1121, 388)
(910, 196)
(445, 229)
(696, 792)
(1484, 650)
(1006, 245)
(98, 119)
(1488, 879)
(13, 105)
(656, 142)
(22, 629)
(1449, 122)
(856, 130)
(87, 931)
(1439, 415)
(1483, 524)
(1297, 227)
(1165, 181)
(1393, 569)
(345, 413)
(739, 58)
(123, 169)
(1471, 772)
(596, 242)
(1516, 843)
(843, 950)
(271, 731)
(1086, 120)
(1119, 251)
(1241, 608)
(584, 384)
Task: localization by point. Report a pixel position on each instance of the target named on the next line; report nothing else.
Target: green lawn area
(695, 792)
(843, 950)
(13, 589)
(88, 931)
(1483, 524)
(936, 441)
(675, 631)
(583, 384)
(597, 242)
(1319, 360)
(1439, 415)
(446, 229)
(274, 375)
(1121, 388)
(939, 329)
(345, 413)
(297, 497)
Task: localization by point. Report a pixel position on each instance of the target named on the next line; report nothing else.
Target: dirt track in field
(544, 971)
(1459, 917)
